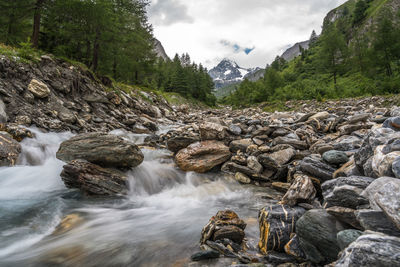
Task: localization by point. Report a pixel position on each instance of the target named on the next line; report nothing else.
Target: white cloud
(203, 28)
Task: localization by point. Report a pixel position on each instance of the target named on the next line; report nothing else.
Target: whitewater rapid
(157, 224)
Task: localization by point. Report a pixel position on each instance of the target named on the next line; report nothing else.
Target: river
(157, 224)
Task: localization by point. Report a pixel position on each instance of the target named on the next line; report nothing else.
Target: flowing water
(157, 224)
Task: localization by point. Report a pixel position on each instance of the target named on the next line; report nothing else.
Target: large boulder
(93, 179)
(277, 224)
(225, 224)
(275, 160)
(375, 220)
(371, 250)
(317, 231)
(177, 143)
(9, 150)
(314, 166)
(102, 149)
(202, 156)
(38, 89)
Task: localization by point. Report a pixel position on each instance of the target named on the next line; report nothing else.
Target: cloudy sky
(251, 32)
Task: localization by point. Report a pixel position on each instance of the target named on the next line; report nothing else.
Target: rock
(212, 131)
(302, 190)
(242, 178)
(376, 221)
(392, 123)
(358, 118)
(289, 141)
(3, 114)
(319, 116)
(17, 132)
(235, 129)
(335, 157)
(317, 231)
(347, 169)
(231, 167)
(282, 187)
(93, 179)
(23, 120)
(9, 150)
(382, 163)
(68, 223)
(370, 250)
(396, 167)
(222, 219)
(202, 156)
(388, 199)
(277, 224)
(254, 165)
(347, 143)
(345, 196)
(345, 215)
(240, 145)
(205, 255)
(346, 237)
(177, 143)
(282, 259)
(275, 160)
(66, 115)
(221, 249)
(294, 249)
(38, 89)
(230, 232)
(383, 185)
(102, 149)
(314, 166)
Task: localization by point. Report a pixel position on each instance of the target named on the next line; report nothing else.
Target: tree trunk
(36, 23)
(96, 48)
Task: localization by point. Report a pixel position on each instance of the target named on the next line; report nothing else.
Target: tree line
(111, 37)
(345, 61)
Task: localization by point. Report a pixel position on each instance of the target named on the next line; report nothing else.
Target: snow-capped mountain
(228, 72)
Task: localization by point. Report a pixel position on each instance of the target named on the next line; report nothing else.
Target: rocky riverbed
(96, 178)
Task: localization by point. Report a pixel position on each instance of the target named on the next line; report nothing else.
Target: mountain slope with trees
(357, 54)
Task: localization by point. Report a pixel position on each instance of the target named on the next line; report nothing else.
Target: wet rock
(242, 178)
(314, 166)
(370, 250)
(235, 129)
(335, 157)
(282, 187)
(392, 123)
(240, 145)
(317, 231)
(93, 179)
(346, 237)
(9, 150)
(177, 143)
(221, 220)
(230, 232)
(38, 89)
(23, 120)
(294, 249)
(212, 131)
(68, 223)
(279, 258)
(221, 249)
(231, 167)
(3, 114)
(205, 255)
(375, 220)
(102, 149)
(202, 156)
(17, 132)
(277, 224)
(302, 190)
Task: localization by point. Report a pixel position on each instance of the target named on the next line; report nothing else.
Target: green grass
(25, 54)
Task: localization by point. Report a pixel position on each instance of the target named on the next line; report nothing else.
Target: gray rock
(3, 114)
(317, 231)
(102, 149)
(371, 250)
(345, 215)
(212, 131)
(205, 255)
(277, 224)
(289, 141)
(386, 184)
(9, 150)
(231, 167)
(275, 160)
(356, 181)
(302, 190)
(93, 179)
(235, 129)
(346, 237)
(314, 166)
(376, 221)
(254, 165)
(392, 123)
(388, 199)
(294, 249)
(345, 196)
(396, 167)
(381, 163)
(348, 143)
(335, 157)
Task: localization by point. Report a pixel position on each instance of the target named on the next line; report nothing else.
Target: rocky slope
(159, 49)
(295, 51)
